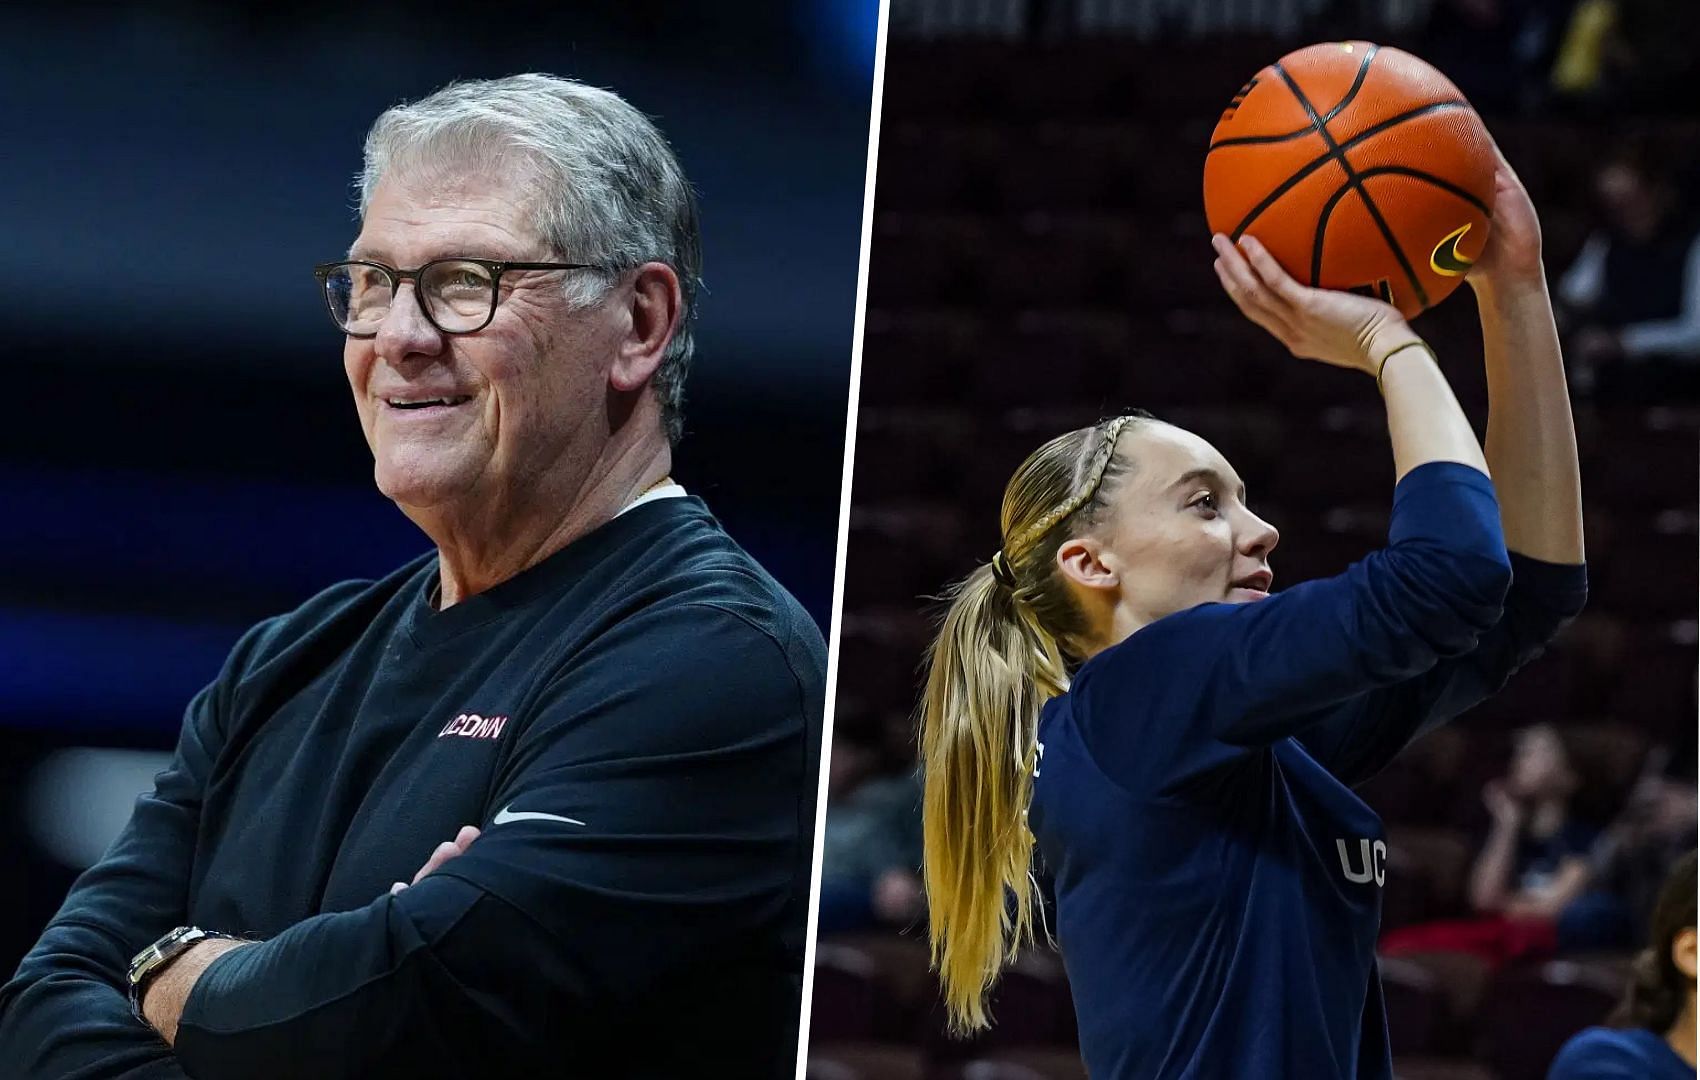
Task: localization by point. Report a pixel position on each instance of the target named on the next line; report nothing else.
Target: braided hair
(1010, 637)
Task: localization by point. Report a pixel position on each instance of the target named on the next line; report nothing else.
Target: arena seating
(1039, 261)
(1528, 1012)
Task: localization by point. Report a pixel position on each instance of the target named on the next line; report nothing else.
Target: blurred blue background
(182, 458)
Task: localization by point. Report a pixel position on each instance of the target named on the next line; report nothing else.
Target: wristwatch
(151, 960)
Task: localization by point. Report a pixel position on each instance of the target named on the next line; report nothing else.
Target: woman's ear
(1682, 951)
(1084, 561)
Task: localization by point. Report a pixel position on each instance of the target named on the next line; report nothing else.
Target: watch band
(153, 959)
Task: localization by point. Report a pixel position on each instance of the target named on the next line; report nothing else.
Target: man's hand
(443, 852)
(167, 992)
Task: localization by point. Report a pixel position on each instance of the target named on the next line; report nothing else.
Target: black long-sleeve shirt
(650, 686)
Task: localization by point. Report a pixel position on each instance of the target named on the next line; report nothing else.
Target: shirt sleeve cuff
(1559, 587)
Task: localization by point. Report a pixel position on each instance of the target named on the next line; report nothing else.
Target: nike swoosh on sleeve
(508, 813)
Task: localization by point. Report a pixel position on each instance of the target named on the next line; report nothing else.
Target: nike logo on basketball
(1446, 261)
(508, 813)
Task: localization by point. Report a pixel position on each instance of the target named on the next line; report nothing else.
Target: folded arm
(671, 849)
(65, 1013)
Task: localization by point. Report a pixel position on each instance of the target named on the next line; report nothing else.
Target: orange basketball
(1359, 168)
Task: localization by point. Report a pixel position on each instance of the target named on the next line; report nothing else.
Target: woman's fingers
(1232, 263)
(1247, 308)
(1247, 287)
(467, 834)
(1270, 272)
(1246, 291)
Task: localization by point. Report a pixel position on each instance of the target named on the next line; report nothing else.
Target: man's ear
(1083, 561)
(654, 308)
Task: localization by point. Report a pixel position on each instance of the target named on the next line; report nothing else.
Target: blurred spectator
(1530, 884)
(1535, 866)
(1656, 826)
(1633, 293)
(1653, 1036)
(871, 851)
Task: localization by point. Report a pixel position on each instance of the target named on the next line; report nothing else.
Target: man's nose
(404, 330)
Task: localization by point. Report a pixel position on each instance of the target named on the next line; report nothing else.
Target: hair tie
(1001, 571)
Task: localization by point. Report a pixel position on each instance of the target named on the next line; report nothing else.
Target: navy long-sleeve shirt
(649, 686)
(1218, 882)
(1618, 1054)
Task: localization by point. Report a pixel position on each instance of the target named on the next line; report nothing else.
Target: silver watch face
(160, 951)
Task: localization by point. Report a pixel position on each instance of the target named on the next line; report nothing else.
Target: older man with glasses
(540, 801)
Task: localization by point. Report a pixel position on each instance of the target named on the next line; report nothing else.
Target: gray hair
(605, 186)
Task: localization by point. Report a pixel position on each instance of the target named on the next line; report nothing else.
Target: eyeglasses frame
(396, 275)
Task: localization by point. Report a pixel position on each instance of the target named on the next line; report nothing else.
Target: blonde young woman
(1120, 685)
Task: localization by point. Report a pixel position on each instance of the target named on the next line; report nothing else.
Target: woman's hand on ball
(1339, 328)
(1512, 254)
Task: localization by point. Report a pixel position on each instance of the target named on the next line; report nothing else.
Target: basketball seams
(1337, 152)
(1431, 179)
(1317, 163)
(1334, 199)
(1274, 196)
(1321, 228)
(1351, 92)
(1409, 114)
(1357, 84)
(1253, 140)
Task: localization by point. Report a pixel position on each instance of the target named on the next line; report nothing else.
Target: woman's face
(1177, 532)
(1540, 767)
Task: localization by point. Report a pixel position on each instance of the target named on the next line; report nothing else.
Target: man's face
(525, 394)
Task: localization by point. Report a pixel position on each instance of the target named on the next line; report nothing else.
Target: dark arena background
(183, 458)
(1040, 260)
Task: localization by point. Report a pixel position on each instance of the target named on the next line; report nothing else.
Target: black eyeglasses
(458, 296)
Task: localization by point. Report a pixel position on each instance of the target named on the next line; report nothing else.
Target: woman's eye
(1206, 500)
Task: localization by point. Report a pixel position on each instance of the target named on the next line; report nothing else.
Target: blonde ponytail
(1003, 649)
(988, 675)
